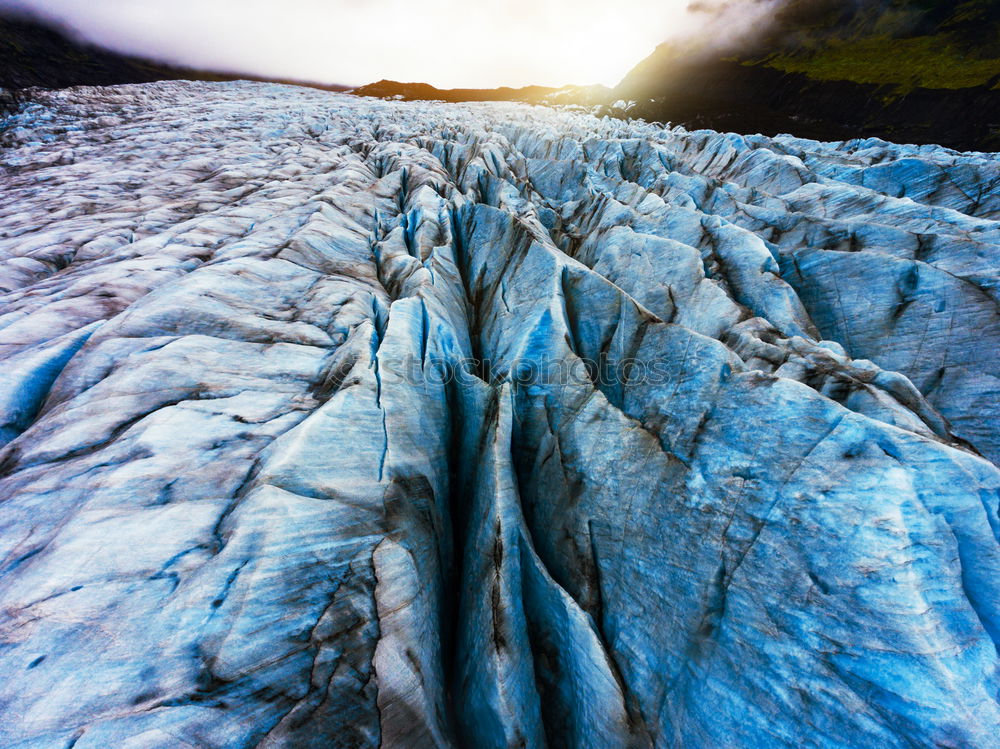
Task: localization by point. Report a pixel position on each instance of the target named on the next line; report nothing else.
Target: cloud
(726, 24)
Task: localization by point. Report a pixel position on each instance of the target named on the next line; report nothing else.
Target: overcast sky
(443, 42)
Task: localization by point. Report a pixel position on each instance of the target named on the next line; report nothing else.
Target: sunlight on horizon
(443, 42)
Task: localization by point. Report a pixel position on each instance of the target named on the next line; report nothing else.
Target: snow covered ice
(284, 464)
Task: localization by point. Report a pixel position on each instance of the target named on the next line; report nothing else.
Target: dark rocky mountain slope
(37, 53)
(921, 71)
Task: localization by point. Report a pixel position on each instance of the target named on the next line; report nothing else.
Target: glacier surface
(338, 422)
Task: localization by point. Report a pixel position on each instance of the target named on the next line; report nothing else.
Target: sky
(448, 43)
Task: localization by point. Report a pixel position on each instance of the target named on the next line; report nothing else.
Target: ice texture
(340, 422)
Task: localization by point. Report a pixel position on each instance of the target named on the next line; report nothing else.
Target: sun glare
(444, 42)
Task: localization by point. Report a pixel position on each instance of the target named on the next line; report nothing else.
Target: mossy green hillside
(922, 61)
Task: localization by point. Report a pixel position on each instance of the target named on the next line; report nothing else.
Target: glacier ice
(343, 422)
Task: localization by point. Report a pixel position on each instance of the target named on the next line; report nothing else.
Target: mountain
(330, 421)
(577, 95)
(921, 71)
(38, 53)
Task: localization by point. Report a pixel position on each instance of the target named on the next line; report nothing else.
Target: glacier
(341, 422)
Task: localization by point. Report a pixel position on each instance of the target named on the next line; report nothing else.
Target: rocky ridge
(911, 71)
(333, 421)
(40, 52)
